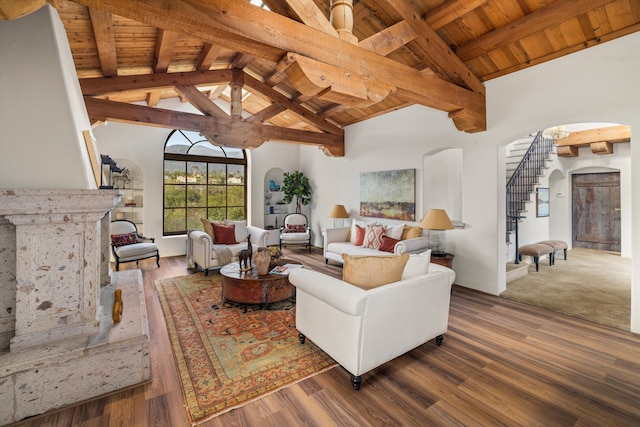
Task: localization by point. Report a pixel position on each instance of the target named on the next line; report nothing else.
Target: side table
(446, 261)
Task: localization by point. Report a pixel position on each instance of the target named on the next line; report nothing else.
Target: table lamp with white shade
(436, 221)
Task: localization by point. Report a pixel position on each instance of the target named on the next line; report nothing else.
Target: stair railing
(522, 182)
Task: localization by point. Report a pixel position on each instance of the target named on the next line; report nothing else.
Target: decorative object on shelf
(273, 186)
(262, 260)
(130, 202)
(436, 221)
(276, 254)
(338, 211)
(245, 256)
(108, 167)
(388, 194)
(122, 179)
(116, 313)
(296, 186)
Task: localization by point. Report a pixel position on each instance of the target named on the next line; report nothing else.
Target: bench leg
(565, 254)
(552, 258)
(536, 259)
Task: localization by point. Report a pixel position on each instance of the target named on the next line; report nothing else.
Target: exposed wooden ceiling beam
(310, 15)
(389, 39)
(224, 131)
(102, 24)
(449, 11)
(208, 55)
(105, 85)
(165, 45)
(436, 54)
(11, 9)
(584, 138)
(268, 35)
(201, 101)
(241, 61)
(527, 25)
(266, 114)
(306, 114)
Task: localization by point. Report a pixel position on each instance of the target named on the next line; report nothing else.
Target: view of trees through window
(201, 180)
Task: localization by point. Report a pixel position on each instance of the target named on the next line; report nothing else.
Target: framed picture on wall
(542, 202)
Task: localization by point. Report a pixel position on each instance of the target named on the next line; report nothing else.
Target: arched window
(201, 180)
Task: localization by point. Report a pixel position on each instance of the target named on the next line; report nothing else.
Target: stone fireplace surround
(58, 343)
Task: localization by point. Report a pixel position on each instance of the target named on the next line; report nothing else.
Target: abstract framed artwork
(542, 202)
(388, 194)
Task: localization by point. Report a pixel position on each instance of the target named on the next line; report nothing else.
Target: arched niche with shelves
(131, 181)
(275, 209)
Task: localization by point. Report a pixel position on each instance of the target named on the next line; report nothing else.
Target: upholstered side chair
(295, 231)
(128, 245)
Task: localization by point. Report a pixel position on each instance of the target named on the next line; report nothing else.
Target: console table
(446, 261)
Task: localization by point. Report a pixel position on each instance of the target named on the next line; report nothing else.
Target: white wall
(595, 85)
(42, 112)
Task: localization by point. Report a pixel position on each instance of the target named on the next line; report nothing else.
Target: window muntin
(201, 180)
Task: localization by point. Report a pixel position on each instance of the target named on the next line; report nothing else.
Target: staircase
(524, 165)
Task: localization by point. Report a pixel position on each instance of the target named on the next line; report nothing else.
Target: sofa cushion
(368, 272)
(410, 232)
(373, 236)
(418, 264)
(340, 248)
(395, 231)
(135, 250)
(241, 231)
(118, 240)
(388, 244)
(225, 234)
(359, 233)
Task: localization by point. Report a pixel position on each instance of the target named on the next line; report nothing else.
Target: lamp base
(438, 254)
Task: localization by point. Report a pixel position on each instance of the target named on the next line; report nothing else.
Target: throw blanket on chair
(223, 253)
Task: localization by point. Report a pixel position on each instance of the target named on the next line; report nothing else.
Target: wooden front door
(596, 211)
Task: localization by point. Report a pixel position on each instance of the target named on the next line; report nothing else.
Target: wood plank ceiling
(290, 75)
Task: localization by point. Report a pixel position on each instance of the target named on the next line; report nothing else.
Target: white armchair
(127, 245)
(362, 329)
(295, 231)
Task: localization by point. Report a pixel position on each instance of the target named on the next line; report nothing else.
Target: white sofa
(337, 242)
(362, 329)
(201, 251)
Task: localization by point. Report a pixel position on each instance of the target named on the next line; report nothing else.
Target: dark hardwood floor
(501, 363)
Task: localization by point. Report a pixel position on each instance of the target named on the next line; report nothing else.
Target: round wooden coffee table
(247, 287)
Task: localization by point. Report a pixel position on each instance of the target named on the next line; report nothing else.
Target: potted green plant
(296, 186)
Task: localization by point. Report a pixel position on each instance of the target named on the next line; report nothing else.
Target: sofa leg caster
(356, 381)
(439, 339)
(206, 271)
(326, 261)
(302, 338)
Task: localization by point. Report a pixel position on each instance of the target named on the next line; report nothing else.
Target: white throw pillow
(241, 230)
(395, 232)
(418, 264)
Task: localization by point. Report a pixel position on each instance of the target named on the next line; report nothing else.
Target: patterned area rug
(230, 354)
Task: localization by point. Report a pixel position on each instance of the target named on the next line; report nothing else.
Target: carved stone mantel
(58, 261)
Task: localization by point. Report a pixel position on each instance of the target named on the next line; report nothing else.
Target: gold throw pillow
(368, 272)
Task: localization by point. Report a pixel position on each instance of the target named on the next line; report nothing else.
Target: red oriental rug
(230, 354)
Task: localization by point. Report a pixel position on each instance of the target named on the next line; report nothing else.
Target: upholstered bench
(556, 245)
(535, 251)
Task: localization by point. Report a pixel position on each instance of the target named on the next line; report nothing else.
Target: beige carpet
(593, 285)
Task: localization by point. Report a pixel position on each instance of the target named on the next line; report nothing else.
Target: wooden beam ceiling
(267, 35)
